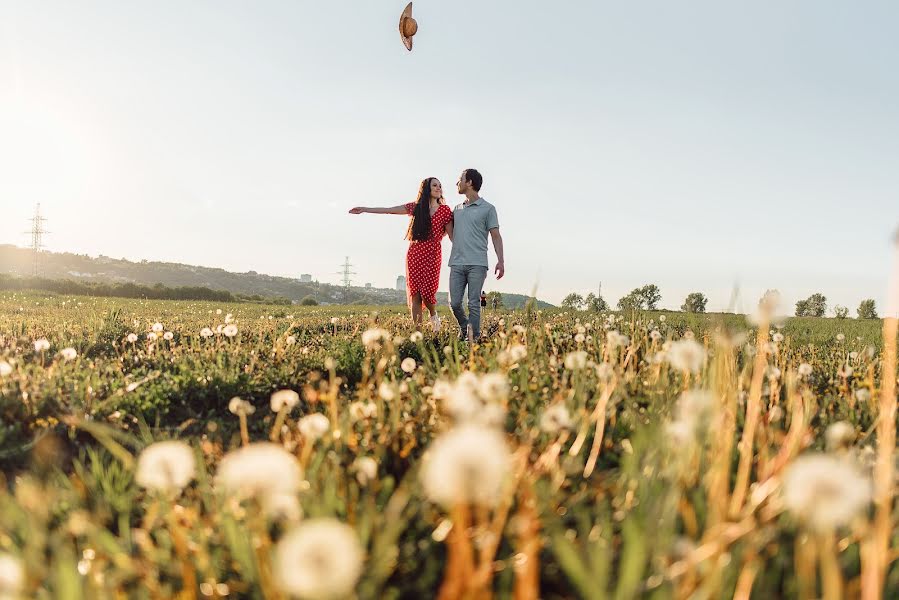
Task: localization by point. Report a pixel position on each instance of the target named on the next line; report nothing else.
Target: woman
(431, 218)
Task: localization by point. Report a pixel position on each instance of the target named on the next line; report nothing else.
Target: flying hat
(408, 27)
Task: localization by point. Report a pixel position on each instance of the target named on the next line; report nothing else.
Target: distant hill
(80, 267)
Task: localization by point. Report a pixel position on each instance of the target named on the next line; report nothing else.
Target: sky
(700, 145)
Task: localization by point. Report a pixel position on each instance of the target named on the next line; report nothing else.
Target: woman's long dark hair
(420, 225)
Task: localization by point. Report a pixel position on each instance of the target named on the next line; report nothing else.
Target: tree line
(648, 297)
(129, 290)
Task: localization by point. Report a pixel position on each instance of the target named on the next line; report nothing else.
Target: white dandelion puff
(157, 327)
(839, 436)
(239, 406)
(493, 387)
(12, 577)
(132, 337)
(260, 471)
(576, 360)
(314, 426)
(518, 352)
(468, 464)
(686, 355)
(321, 559)
(152, 336)
(5, 368)
(555, 418)
(41, 345)
(230, 330)
(284, 399)
(804, 370)
(68, 354)
(206, 332)
(366, 469)
(408, 365)
(825, 492)
(168, 336)
(165, 466)
(373, 338)
(416, 337)
(387, 391)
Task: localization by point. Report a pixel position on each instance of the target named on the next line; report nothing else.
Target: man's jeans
(473, 277)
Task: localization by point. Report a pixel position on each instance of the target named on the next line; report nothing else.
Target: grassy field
(159, 449)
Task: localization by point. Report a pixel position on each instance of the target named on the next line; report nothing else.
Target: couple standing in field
(468, 226)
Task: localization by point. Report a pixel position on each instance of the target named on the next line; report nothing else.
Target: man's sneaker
(435, 322)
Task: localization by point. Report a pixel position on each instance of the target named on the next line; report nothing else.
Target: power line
(37, 233)
(345, 272)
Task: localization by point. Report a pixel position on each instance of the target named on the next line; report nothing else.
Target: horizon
(701, 148)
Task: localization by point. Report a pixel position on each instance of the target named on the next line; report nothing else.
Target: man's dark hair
(475, 178)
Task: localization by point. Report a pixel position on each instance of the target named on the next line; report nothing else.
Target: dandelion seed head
(825, 492)
(687, 356)
(239, 406)
(286, 399)
(260, 470)
(319, 560)
(314, 426)
(576, 360)
(555, 418)
(206, 332)
(68, 354)
(12, 577)
(366, 469)
(5, 368)
(839, 436)
(41, 345)
(230, 330)
(408, 365)
(157, 327)
(165, 466)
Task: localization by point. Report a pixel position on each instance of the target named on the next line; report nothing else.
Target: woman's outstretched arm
(392, 210)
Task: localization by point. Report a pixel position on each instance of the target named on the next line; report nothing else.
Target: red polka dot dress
(423, 258)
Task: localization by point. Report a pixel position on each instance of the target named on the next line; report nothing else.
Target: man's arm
(500, 269)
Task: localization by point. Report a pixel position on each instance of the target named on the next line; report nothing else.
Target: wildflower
(554, 418)
(5, 368)
(862, 394)
(152, 336)
(687, 356)
(165, 466)
(41, 345)
(284, 399)
(579, 338)
(314, 426)
(662, 318)
(825, 492)
(839, 436)
(168, 336)
(804, 370)
(853, 355)
(157, 327)
(845, 371)
(218, 311)
(320, 559)
(261, 470)
(334, 320)
(12, 576)
(778, 337)
(68, 354)
(416, 337)
(655, 335)
(773, 373)
(229, 318)
(840, 337)
(372, 338)
(408, 365)
(366, 469)
(206, 333)
(468, 464)
(239, 406)
(291, 340)
(694, 406)
(230, 330)
(576, 360)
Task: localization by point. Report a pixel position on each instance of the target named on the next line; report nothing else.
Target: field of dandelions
(161, 449)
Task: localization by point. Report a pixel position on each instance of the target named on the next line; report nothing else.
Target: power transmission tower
(37, 239)
(345, 273)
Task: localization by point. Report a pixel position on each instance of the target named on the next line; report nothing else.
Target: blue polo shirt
(471, 224)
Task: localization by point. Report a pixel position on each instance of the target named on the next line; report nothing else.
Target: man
(473, 220)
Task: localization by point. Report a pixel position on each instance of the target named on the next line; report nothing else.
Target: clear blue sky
(696, 144)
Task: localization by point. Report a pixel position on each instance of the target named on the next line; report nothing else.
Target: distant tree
(867, 309)
(695, 303)
(495, 300)
(596, 303)
(651, 296)
(309, 301)
(840, 312)
(573, 301)
(813, 306)
(631, 302)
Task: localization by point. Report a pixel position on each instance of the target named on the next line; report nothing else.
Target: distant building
(401, 283)
(305, 278)
(368, 286)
